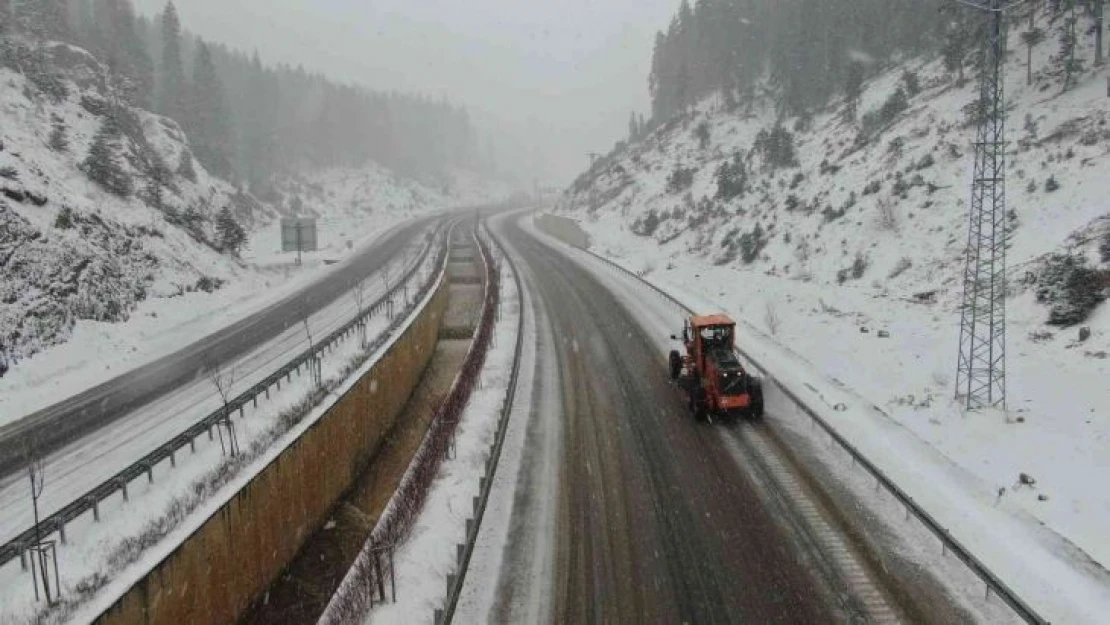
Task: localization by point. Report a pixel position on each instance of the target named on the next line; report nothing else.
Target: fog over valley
(545, 82)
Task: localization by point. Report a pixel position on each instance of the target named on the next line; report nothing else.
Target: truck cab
(710, 372)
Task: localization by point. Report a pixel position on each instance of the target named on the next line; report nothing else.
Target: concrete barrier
(566, 230)
(215, 574)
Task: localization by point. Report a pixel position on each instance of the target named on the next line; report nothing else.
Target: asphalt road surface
(69, 420)
(655, 520)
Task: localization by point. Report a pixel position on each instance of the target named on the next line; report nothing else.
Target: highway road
(75, 417)
(655, 520)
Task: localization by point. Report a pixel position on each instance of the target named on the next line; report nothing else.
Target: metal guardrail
(455, 588)
(992, 582)
(90, 501)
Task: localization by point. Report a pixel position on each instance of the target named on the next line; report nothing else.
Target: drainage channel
(303, 591)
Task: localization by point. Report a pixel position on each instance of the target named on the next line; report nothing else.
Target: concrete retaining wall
(566, 230)
(213, 576)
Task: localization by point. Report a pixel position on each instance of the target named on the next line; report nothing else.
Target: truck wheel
(756, 410)
(676, 365)
(697, 403)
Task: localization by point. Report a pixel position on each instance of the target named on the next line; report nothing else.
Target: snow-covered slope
(69, 249)
(94, 283)
(351, 204)
(867, 236)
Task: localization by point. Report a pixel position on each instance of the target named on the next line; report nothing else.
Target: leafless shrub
(771, 318)
(1040, 336)
(224, 381)
(356, 594)
(360, 302)
(902, 267)
(888, 219)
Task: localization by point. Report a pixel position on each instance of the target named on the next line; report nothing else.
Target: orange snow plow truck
(713, 378)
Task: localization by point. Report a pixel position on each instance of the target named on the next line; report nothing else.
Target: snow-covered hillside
(351, 204)
(852, 257)
(70, 250)
(95, 282)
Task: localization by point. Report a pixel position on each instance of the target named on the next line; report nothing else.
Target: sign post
(298, 235)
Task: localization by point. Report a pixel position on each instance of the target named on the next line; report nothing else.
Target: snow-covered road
(1044, 569)
(80, 466)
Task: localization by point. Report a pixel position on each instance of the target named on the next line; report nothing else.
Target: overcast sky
(561, 76)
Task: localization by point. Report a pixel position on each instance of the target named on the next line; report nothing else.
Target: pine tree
(230, 234)
(682, 89)
(1097, 8)
(185, 167)
(58, 140)
(47, 19)
(1031, 37)
(207, 119)
(956, 47)
(1069, 64)
(126, 50)
(5, 28)
(853, 90)
(173, 101)
(101, 165)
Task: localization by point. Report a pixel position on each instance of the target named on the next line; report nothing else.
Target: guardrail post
(62, 532)
(392, 576)
(437, 618)
(150, 474)
(381, 578)
(193, 444)
(460, 552)
(123, 488)
(22, 558)
(96, 511)
(173, 459)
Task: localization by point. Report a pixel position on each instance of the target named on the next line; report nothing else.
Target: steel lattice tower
(981, 373)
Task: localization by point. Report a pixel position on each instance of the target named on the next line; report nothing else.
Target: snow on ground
(91, 545)
(529, 464)
(97, 284)
(1044, 568)
(79, 467)
(351, 204)
(99, 351)
(817, 219)
(423, 563)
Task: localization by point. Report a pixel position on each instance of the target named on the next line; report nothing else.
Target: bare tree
(314, 365)
(385, 277)
(771, 318)
(224, 381)
(43, 558)
(360, 301)
(887, 219)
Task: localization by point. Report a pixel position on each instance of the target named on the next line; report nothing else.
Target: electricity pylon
(981, 372)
